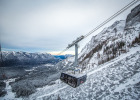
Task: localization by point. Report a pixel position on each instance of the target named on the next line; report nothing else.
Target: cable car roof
(77, 75)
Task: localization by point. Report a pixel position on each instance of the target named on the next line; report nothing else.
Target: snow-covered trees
(112, 51)
(26, 85)
(2, 88)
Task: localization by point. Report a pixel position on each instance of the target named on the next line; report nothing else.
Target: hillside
(110, 43)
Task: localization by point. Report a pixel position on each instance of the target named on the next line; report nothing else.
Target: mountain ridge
(10, 58)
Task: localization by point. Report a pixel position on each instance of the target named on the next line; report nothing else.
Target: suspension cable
(107, 20)
(112, 17)
(62, 51)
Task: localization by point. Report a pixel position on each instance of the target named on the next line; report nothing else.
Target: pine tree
(58, 98)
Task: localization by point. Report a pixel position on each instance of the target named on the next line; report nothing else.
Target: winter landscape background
(111, 60)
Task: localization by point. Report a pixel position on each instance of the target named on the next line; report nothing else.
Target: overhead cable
(106, 21)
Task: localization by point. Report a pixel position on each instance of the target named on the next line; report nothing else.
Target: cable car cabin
(73, 81)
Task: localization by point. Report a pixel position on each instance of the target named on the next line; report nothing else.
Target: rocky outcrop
(113, 40)
(134, 16)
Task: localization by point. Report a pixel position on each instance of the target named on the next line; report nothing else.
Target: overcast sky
(50, 25)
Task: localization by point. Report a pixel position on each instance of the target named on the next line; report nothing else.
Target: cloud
(52, 24)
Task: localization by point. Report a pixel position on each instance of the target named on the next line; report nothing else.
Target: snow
(10, 95)
(30, 70)
(49, 65)
(48, 90)
(132, 51)
(52, 92)
(133, 80)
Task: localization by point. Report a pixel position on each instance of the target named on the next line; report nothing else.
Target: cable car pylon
(76, 55)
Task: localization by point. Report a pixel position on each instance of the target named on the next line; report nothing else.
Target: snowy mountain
(113, 40)
(21, 58)
(112, 62)
(101, 46)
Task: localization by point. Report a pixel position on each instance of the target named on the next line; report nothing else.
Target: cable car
(73, 80)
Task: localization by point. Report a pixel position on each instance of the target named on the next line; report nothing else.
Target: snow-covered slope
(95, 50)
(117, 79)
(65, 64)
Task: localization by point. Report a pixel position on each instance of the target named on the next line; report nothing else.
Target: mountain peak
(21, 58)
